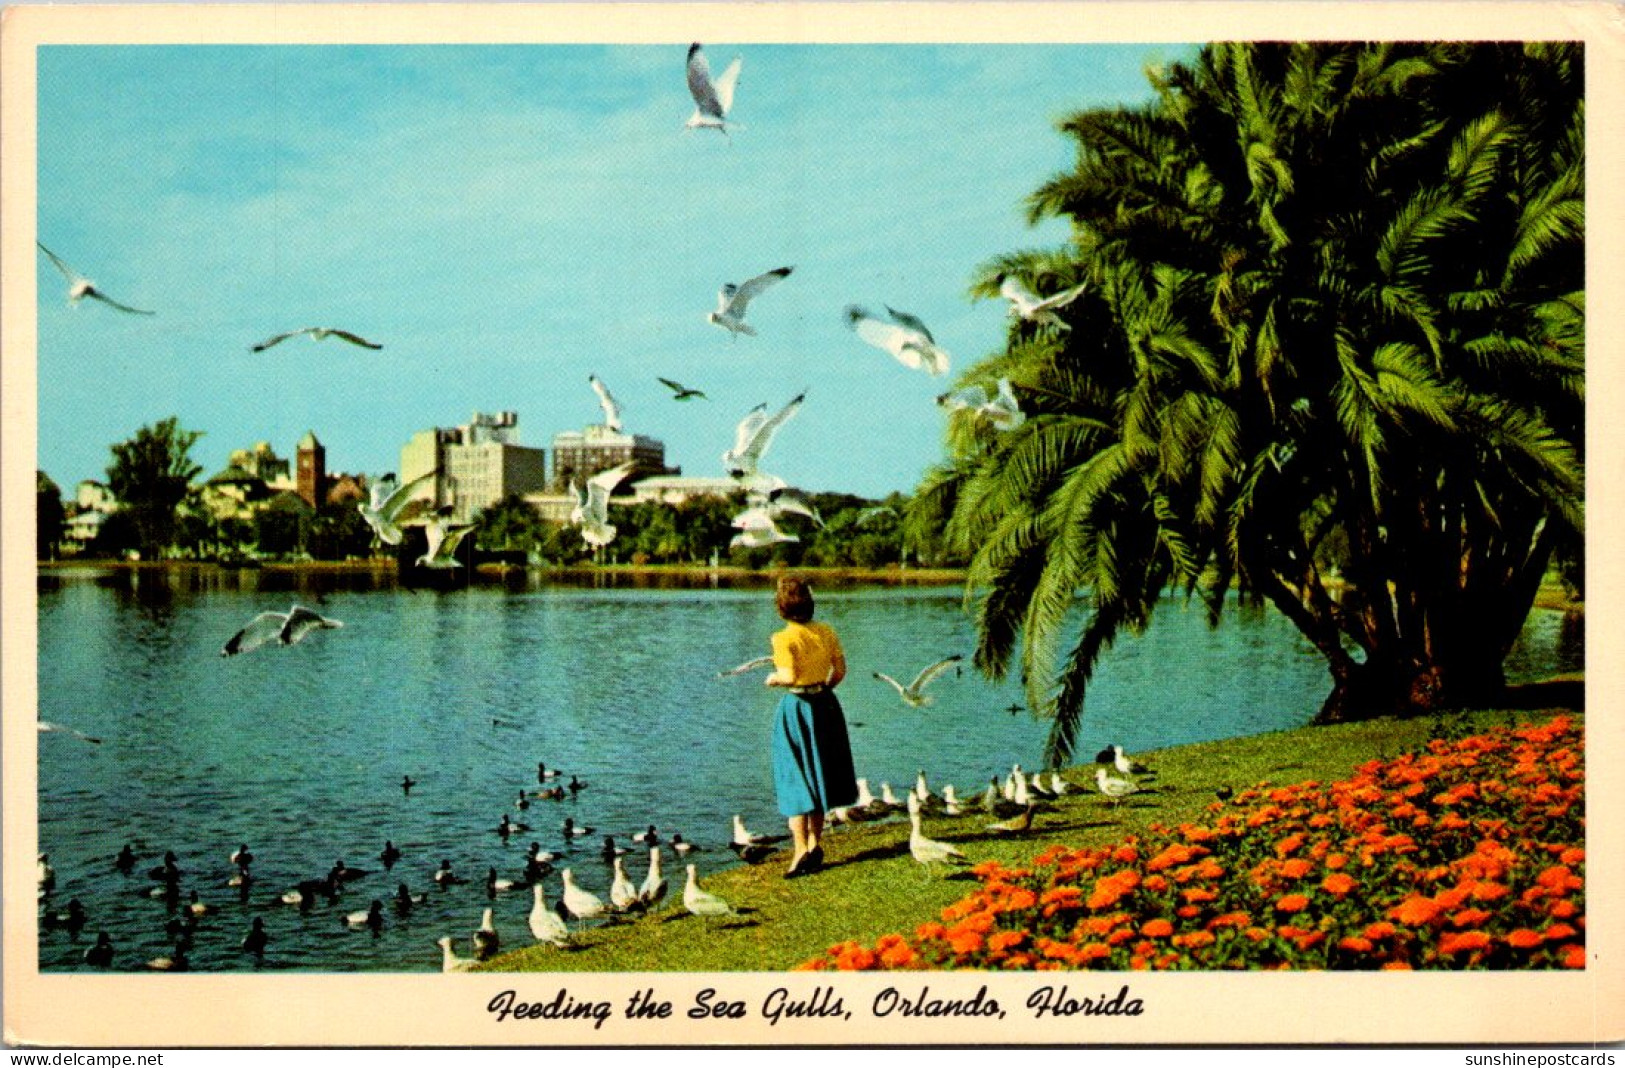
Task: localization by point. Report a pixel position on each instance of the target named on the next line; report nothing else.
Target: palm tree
(1329, 356)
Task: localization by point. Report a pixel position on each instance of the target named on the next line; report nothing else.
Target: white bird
(623, 893)
(1057, 785)
(902, 335)
(950, 803)
(700, 902)
(318, 333)
(921, 789)
(450, 961)
(80, 287)
(743, 837)
(747, 667)
(1027, 305)
(760, 537)
(46, 727)
(486, 942)
(787, 500)
(1020, 794)
(612, 410)
(442, 539)
(545, 924)
(888, 798)
(753, 435)
(581, 904)
(372, 916)
(914, 694)
(391, 506)
(1002, 411)
(1126, 764)
(591, 512)
(654, 884)
(680, 847)
(287, 628)
(1115, 789)
(732, 301)
(713, 99)
(925, 850)
(46, 873)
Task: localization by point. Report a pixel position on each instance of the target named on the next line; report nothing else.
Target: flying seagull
(443, 537)
(1002, 411)
(733, 299)
(612, 411)
(903, 335)
(318, 333)
(759, 533)
(1025, 304)
(712, 99)
(286, 628)
(389, 506)
(743, 669)
(591, 512)
(80, 287)
(754, 434)
(46, 727)
(787, 500)
(914, 694)
(680, 391)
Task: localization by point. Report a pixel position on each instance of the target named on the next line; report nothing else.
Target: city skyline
(507, 220)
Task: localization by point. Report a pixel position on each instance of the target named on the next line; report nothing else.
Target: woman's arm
(837, 657)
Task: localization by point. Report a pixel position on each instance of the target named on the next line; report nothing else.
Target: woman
(812, 759)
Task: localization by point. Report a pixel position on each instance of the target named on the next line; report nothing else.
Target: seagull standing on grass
(732, 301)
(389, 505)
(914, 694)
(286, 628)
(654, 884)
(612, 410)
(700, 902)
(1126, 764)
(317, 333)
(1029, 307)
(926, 850)
(450, 961)
(581, 904)
(1115, 789)
(902, 335)
(591, 512)
(80, 287)
(486, 942)
(713, 98)
(545, 924)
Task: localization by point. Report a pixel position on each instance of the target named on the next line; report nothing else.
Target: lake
(300, 751)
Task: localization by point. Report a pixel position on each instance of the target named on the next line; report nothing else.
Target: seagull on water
(754, 434)
(925, 850)
(286, 628)
(1028, 306)
(901, 334)
(914, 694)
(1001, 410)
(713, 98)
(56, 728)
(591, 512)
(371, 918)
(255, 940)
(570, 829)
(680, 847)
(390, 505)
(612, 410)
(443, 537)
(80, 287)
(680, 391)
(318, 333)
(700, 902)
(545, 924)
(732, 301)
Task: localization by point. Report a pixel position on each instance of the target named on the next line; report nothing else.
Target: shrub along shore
(871, 888)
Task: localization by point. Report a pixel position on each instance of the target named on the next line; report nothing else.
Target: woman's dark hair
(794, 600)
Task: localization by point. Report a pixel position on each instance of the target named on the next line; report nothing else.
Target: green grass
(871, 886)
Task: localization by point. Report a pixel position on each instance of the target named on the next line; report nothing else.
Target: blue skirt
(812, 759)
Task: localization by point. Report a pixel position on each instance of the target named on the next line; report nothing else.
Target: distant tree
(49, 516)
(149, 476)
(337, 532)
(510, 525)
(283, 527)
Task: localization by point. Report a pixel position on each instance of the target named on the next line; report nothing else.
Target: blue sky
(508, 219)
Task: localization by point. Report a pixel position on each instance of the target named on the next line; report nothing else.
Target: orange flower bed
(1468, 854)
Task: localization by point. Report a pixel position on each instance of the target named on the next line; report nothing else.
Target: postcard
(810, 524)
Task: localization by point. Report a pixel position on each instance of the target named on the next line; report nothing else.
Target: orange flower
(1574, 957)
(965, 942)
(1155, 883)
(1524, 938)
(1193, 939)
(1296, 868)
(1415, 910)
(1470, 917)
(1005, 940)
(1355, 944)
(897, 955)
(1337, 884)
(1559, 931)
(1288, 845)
(1337, 861)
(1230, 919)
(1119, 936)
(1292, 903)
(1157, 928)
(1197, 894)
(928, 930)
(1174, 854)
(1396, 966)
(1562, 909)
(1487, 891)
(1091, 951)
(1454, 942)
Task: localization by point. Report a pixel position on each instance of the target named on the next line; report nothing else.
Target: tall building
(312, 467)
(580, 454)
(479, 463)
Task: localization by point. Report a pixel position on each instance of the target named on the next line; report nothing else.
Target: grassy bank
(872, 886)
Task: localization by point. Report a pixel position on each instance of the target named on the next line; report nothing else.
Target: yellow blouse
(807, 654)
